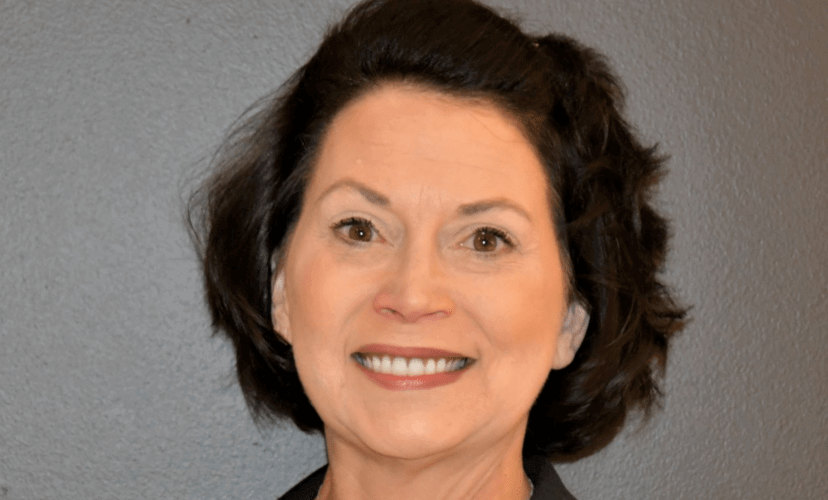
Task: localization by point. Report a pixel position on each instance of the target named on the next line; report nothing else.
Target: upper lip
(408, 352)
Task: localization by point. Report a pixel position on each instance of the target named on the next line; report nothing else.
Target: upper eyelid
(503, 235)
(496, 230)
(353, 220)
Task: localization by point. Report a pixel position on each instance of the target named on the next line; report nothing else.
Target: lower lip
(401, 383)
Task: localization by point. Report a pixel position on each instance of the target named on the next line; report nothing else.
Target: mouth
(407, 368)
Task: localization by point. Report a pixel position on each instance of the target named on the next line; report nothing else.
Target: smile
(409, 367)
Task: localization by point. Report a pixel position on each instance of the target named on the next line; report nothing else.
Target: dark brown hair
(568, 103)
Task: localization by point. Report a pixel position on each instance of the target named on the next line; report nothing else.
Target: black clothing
(308, 488)
(548, 485)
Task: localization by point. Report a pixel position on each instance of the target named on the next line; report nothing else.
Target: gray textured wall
(110, 385)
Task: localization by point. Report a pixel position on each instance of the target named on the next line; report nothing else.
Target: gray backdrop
(110, 384)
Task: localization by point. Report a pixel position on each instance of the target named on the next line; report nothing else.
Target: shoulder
(547, 483)
(308, 488)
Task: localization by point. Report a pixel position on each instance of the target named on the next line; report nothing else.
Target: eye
(355, 229)
(489, 240)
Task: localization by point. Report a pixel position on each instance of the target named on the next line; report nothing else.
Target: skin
(424, 175)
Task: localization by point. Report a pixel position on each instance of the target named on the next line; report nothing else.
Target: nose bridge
(416, 287)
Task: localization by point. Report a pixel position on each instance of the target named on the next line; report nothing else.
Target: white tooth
(366, 361)
(450, 365)
(399, 367)
(386, 365)
(415, 367)
(376, 364)
(430, 367)
(441, 365)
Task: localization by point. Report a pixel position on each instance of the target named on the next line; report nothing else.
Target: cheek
(525, 315)
(523, 330)
(312, 301)
(323, 302)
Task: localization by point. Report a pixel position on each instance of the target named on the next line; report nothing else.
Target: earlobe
(572, 334)
(279, 307)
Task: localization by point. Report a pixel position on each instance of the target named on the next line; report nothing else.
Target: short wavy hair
(568, 104)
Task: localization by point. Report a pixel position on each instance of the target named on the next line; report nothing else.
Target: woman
(434, 245)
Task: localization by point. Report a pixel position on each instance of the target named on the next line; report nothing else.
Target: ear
(279, 307)
(572, 334)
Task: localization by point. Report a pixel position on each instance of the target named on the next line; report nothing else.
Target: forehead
(400, 135)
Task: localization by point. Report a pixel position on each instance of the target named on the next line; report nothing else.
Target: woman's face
(425, 248)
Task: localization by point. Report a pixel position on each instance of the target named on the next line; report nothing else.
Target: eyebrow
(497, 203)
(467, 209)
(366, 192)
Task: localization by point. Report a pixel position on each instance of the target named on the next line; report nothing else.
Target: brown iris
(360, 231)
(485, 241)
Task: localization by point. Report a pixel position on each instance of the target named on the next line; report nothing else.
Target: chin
(412, 438)
(410, 448)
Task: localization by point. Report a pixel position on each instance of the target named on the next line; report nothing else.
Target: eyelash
(353, 221)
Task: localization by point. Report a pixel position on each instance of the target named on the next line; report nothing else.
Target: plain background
(110, 384)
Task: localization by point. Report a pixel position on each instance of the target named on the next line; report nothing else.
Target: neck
(480, 473)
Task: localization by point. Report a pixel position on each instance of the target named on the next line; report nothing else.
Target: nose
(417, 287)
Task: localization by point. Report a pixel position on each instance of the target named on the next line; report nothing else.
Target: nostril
(389, 312)
(411, 304)
(413, 316)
